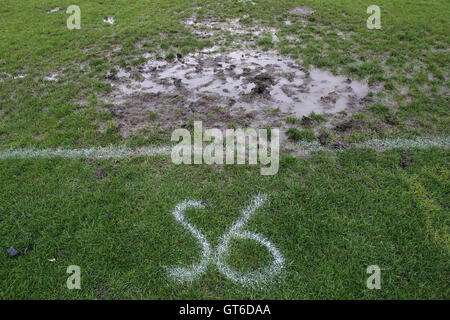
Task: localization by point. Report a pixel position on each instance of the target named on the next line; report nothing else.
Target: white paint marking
(20, 76)
(52, 77)
(382, 145)
(153, 151)
(196, 270)
(250, 278)
(188, 274)
(92, 153)
(56, 9)
(109, 20)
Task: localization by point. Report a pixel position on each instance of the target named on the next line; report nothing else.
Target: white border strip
(152, 151)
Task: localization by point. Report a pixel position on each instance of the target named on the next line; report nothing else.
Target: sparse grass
(152, 115)
(292, 120)
(266, 42)
(170, 55)
(379, 109)
(317, 117)
(300, 135)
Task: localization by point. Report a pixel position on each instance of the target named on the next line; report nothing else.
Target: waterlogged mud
(242, 87)
(239, 87)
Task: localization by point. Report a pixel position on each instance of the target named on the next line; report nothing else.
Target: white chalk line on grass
(188, 274)
(152, 151)
(91, 153)
(249, 278)
(380, 144)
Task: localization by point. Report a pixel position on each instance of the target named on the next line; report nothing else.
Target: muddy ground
(243, 87)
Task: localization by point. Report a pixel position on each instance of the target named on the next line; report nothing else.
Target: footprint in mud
(330, 98)
(263, 82)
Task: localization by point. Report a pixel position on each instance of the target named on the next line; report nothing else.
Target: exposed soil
(236, 88)
(242, 87)
(214, 28)
(352, 124)
(100, 174)
(323, 138)
(302, 11)
(405, 160)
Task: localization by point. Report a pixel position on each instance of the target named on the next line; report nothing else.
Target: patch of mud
(352, 124)
(405, 159)
(302, 11)
(242, 87)
(215, 27)
(100, 174)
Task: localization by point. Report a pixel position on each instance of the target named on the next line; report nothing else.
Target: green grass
(414, 56)
(317, 117)
(300, 135)
(330, 214)
(292, 120)
(350, 211)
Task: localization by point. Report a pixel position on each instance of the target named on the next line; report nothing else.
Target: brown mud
(241, 87)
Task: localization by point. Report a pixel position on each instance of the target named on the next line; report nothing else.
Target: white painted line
(378, 144)
(189, 274)
(92, 153)
(152, 151)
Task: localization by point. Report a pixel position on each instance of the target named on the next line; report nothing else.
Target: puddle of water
(254, 80)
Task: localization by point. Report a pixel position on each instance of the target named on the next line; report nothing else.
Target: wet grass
(331, 215)
(410, 65)
(300, 135)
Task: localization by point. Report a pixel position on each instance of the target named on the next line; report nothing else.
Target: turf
(330, 214)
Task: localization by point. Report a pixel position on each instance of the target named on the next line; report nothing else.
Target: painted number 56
(235, 232)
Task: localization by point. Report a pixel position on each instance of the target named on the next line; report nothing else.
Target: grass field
(330, 214)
